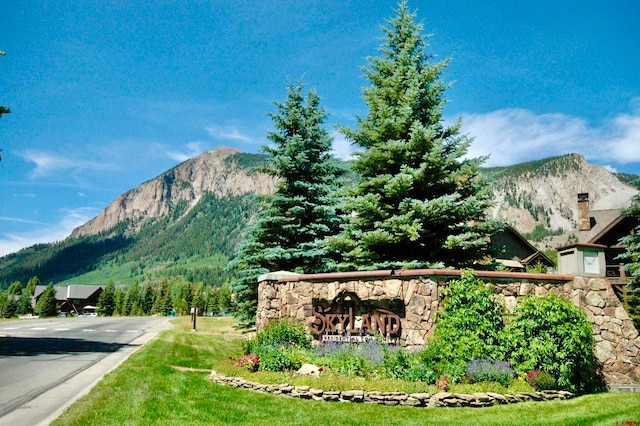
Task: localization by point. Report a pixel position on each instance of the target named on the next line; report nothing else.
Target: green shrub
(485, 370)
(552, 334)
(286, 332)
(274, 358)
(406, 365)
(249, 346)
(469, 325)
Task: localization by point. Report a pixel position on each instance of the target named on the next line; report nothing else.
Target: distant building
(73, 299)
(515, 252)
(596, 243)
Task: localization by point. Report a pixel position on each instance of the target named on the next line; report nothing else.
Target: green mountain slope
(197, 242)
(196, 246)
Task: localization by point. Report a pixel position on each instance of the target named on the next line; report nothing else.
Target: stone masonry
(617, 343)
(440, 399)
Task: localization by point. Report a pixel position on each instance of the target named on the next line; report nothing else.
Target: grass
(146, 389)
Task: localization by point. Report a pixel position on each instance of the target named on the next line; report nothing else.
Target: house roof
(538, 257)
(70, 292)
(601, 222)
(531, 253)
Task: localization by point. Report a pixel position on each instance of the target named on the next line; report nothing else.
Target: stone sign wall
(402, 305)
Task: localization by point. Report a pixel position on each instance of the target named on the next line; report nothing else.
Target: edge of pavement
(96, 373)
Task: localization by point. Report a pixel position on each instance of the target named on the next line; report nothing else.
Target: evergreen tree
(15, 288)
(133, 300)
(47, 305)
(199, 297)
(289, 227)
(32, 284)
(120, 303)
(182, 296)
(107, 300)
(419, 202)
(146, 302)
(4, 303)
(162, 302)
(8, 305)
(24, 303)
(631, 243)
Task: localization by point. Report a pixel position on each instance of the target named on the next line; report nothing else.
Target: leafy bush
(540, 380)
(285, 332)
(552, 334)
(282, 333)
(485, 370)
(406, 365)
(469, 325)
(274, 358)
(280, 345)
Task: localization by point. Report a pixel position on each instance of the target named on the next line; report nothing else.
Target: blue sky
(108, 94)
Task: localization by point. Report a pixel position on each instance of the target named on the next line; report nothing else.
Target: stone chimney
(584, 217)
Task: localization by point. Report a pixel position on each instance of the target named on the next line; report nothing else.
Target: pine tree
(419, 202)
(162, 303)
(631, 243)
(120, 303)
(47, 305)
(290, 226)
(107, 300)
(146, 300)
(5, 310)
(133, 304)
(24, 303)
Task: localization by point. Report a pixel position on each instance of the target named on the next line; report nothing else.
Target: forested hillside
(195, 242)
(196, 246)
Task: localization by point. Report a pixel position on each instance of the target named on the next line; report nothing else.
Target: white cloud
(513, 136)
(20, 220)
(45, 232)
(191, 150)
(624, 144)
(342, 147)
(47, 163)
(228, 133)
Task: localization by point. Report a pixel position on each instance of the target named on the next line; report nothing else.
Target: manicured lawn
(147, 389)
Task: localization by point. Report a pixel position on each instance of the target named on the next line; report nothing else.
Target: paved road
(47, 364)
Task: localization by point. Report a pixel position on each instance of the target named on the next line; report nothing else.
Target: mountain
(178, 191)
(186, 222)
(539, 198)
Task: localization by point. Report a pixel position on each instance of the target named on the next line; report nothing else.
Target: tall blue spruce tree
(419, 202)
(289, 227)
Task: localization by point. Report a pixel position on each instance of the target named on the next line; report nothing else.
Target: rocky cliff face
(212, 171)
(545, 193)
(541, 193)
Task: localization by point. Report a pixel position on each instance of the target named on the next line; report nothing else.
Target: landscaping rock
(441, 399)
(309, 370)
